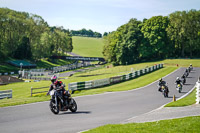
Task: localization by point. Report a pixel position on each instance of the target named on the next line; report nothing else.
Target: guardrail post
(11, 94)
(198, 92)
(31, 90)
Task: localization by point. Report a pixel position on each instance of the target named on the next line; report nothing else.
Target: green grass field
(181, 125)
(87, 46)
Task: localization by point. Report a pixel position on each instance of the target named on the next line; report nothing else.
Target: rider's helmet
(160, 79)
(177, 78)
(190, 64)
(53, 78)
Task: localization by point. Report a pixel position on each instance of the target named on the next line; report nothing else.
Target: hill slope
(88, 47)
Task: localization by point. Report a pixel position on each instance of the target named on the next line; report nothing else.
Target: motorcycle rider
(160, 83)
(190, 67)
(59, 84)
(178, 81)
(184, 78)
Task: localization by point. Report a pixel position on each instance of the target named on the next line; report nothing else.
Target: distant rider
(184, 78)
(190, 67)
(178, 81)
(161, 83)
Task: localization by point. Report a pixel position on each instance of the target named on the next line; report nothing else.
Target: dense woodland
(160, 37)
(28, 36)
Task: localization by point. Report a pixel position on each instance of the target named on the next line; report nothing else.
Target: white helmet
(177, 78)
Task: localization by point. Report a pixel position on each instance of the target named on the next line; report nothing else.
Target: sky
(98, 15)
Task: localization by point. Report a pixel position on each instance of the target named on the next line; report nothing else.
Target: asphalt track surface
(94, 110)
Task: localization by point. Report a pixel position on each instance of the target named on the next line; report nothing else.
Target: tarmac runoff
(166, 113)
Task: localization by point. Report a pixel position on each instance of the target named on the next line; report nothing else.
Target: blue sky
(98, 15)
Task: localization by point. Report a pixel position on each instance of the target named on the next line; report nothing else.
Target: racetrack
(94, 110)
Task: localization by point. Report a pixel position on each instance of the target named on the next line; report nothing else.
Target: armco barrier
(112, 80)
(6, 94)
(198, 92)
(38, 89)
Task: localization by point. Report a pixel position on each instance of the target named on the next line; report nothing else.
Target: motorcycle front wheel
(53, 107)
(73, 105)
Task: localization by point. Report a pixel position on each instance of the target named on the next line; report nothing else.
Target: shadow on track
(78, 112)
(187, 84)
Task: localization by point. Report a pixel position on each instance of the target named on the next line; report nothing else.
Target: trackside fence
(6, 94)
(198, 92)
(112, 80)
(41, 90)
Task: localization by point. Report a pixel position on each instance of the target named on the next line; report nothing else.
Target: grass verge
(181, 125)
(186, 101)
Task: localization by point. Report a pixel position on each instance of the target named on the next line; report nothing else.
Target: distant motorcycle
(164, 90)
(186, 73)
(179, 88)
(190, 68)
(58, 103)
(183, 79)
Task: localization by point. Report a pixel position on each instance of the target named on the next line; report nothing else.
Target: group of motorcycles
(163, 86)
(60, 102)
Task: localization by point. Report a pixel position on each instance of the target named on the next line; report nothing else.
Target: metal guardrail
(198, 92)
(6, 94)
(112, 80)
(32, 89)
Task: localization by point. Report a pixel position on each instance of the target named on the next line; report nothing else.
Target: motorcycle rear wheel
(73, 105)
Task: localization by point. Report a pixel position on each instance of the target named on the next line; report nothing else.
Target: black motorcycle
(58, 102)
(183, 79)
(165, 91)
(186, 73)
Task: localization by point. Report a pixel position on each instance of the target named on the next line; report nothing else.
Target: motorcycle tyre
(165, 94)
(55, 111)
(73, 108)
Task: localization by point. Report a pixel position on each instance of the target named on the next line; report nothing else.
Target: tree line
(160, 37)
(28, 36)
(85, 33)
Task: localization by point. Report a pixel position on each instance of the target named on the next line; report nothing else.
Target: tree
(154, 30)
(122, 45)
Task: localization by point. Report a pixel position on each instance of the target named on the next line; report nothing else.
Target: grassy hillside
(87, 46)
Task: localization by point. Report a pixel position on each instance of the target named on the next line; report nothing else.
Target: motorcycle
(58, 102)
(186, 74)
(179, 87)
(190, 68)
(183, 80)
(164, 90)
